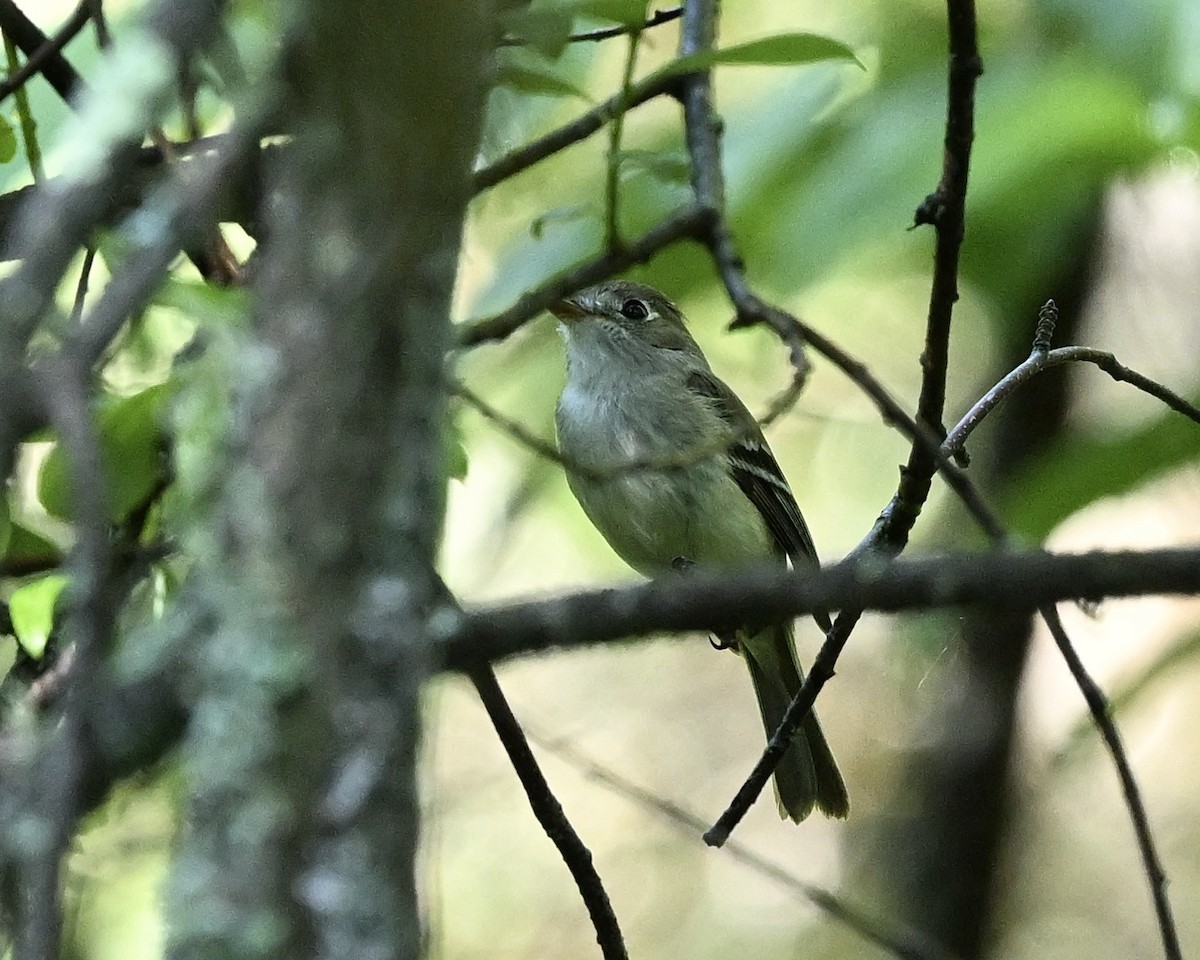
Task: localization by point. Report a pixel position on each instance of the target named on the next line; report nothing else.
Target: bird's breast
(651, 498)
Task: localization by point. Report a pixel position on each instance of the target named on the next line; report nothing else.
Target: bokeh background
(1084, 188)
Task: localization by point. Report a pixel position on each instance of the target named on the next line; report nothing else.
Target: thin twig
(88, 630)
(689, 222)
(1043, 358)
(185, 210)
(81, 288)
(906, 944)
(607, 33)
(784, 402)
(1101, 715)
(33, 152)
(30, 39)
(43, 55)
(820, 673)
(612, 192)
(103, 37)
(945, 208)
(578, 129)
(550, 815)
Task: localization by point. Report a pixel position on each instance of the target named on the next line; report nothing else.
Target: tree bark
(303, 741)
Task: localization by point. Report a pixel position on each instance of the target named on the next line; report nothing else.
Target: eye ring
(634, 309)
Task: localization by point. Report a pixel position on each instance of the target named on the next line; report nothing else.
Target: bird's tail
(807, 775)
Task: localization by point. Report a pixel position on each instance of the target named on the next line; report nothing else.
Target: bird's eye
(634, 310)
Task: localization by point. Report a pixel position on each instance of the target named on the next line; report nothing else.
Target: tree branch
(549, 813)
(688, 222)
(715, 601)
(578, 129)
(33, 43)
(47, 58)
(1043, 358)
(88, 629)
(1097, 706)
(945, 208)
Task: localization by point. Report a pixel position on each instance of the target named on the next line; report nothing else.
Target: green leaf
(28, 551)
(204, 302)
(527, 73)
(31, 607)
(8, 140)
(787, 49)
(131, 445)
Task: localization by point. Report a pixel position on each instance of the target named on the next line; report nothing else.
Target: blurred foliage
(132, 449)
(825, 165)
(31, 607)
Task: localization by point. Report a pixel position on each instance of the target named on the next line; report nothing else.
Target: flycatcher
(640, 390)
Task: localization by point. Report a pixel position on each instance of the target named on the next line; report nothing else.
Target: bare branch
(88, 631)
(1102, 717)
(1043, 358)
(688, 222)
(945, 208)
(713, 601)
(820, 673)
(47, 58)
(31, 41)
(182, 211)
(550, 815)
(616, 127)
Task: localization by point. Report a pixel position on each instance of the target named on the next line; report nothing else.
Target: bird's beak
(568, 310)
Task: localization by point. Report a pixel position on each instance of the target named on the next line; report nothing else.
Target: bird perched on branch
(704, 488)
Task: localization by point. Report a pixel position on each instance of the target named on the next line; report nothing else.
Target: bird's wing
(756, 472)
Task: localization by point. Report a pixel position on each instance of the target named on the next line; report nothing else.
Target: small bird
(639, 390)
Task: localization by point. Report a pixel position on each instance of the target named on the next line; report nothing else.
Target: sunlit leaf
(131, 445)
(203, 302)
(788, 49)
(31, 607)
